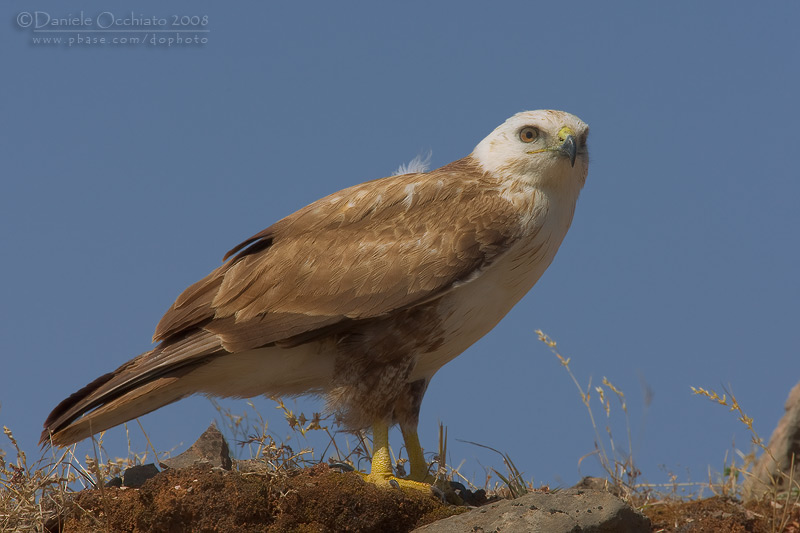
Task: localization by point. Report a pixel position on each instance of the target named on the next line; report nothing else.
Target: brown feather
(359, 253)
(165, 361)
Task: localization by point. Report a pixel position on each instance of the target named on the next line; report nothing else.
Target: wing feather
(360, 253)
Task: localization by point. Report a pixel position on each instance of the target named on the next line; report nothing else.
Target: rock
(773, 467)
(135, 476)
(211, 448)
(566, 511)
(598, 483)
(250, 466)
(467, 496)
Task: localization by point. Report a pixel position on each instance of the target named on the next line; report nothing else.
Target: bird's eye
(528, 134)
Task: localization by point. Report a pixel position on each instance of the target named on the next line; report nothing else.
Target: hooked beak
(568, 145)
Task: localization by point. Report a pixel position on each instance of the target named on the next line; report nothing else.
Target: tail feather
(143, 384)
(61, 411)
(133, 404)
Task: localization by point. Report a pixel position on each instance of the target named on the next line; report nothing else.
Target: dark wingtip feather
(256, 243)
(57, 420)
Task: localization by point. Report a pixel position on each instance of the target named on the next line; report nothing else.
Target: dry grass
(782, 488)
(617, 463)
(33, 493)
(338, 447)
(623, 476)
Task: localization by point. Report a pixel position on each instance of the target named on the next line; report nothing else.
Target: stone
(135, 476)
(598, 483)
(566, 511)
(771, 472)
(211, 448)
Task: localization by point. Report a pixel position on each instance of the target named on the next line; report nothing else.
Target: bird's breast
(472, 309)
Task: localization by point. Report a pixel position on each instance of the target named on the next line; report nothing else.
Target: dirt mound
(723, 515)
(202, 498)
(319, 499)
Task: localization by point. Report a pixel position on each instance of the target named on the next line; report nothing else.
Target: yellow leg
(381, 472)
(381, 459)
(419, 467)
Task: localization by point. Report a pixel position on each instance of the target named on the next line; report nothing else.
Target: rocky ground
(203, 498)
(203, 490)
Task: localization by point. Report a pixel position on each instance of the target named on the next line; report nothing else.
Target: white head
(543, 148)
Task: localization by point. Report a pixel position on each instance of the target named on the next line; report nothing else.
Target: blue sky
(129, 170)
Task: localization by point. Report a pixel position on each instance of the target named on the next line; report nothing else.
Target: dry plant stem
(147, 438)
(778, 523)
(101, 485)
(585, 396)
(791, 500)
(441, 468)
(515, 483)
(621, 469)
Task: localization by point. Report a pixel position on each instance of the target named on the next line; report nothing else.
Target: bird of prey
(363, 295)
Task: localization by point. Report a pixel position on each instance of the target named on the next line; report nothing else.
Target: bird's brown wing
(363, 252)
(360, 253)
